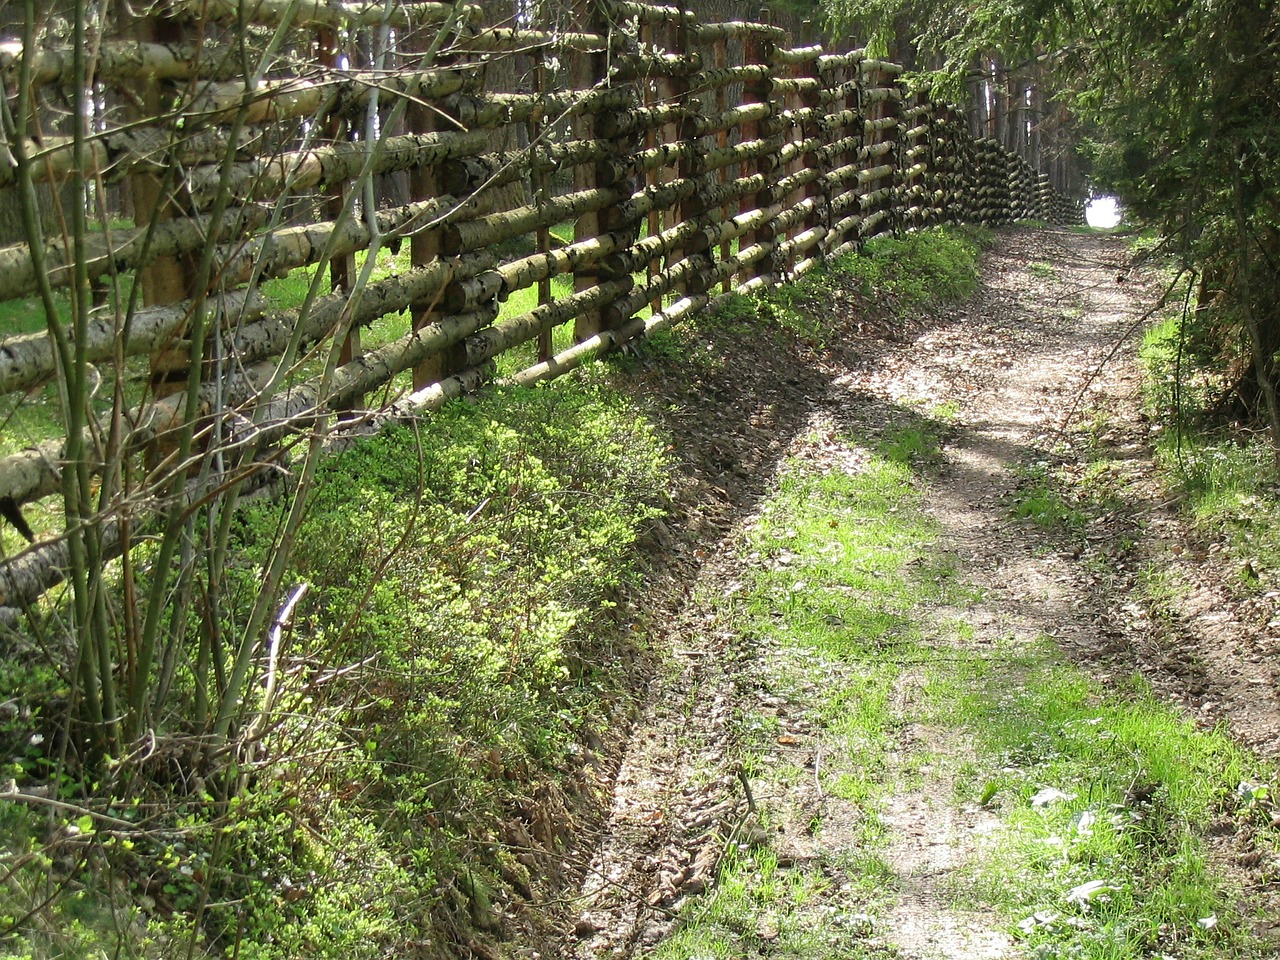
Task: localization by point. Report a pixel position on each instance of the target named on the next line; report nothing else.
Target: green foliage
(920, 269)
(1044, 499)
(454, 645)
(901, 275)
(912, 446)
(463, 576)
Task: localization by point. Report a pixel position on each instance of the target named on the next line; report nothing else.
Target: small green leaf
(85, 824)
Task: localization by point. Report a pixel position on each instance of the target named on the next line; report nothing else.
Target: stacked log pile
(689, 159)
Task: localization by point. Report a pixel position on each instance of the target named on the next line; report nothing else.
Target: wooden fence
(223, 143)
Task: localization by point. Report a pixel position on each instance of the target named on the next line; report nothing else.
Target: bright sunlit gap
(1102, 212)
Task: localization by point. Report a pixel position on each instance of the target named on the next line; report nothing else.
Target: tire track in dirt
(1025, 355)
(1015, 362)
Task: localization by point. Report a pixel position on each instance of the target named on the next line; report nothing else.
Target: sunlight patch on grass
(1104, 798)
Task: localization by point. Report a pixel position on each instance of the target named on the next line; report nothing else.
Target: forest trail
(864, 845)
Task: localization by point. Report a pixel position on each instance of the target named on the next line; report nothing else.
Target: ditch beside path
(749, 818)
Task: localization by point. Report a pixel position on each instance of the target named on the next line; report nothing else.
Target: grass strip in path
(922, 789)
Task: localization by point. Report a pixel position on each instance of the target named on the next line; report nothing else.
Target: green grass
(1044, 497)
(760, 909)
(920, 269)
(845, 558)
(1105, 798)
(1225, 473)
(1084, 229)
(897, 276)
(1042, 270)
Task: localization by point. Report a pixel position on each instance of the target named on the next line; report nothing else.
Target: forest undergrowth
(933, 771)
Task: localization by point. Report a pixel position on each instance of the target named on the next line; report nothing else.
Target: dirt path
(1025, 365)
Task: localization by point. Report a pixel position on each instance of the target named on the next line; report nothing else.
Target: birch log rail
(688, 157)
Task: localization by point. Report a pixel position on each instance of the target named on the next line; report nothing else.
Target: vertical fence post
(424, 245)
(666, 90)
(688, 167)
(884, 95)
(342, 268)
(916, 162)
(587, 71)
(817, 192)
(653, 176)
(720, 58)
(844, 134)
(539, 183)
(156, 197)
(784, 71)
(758, 51)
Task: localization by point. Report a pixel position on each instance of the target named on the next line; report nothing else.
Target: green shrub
(453, 645)
(920, 269)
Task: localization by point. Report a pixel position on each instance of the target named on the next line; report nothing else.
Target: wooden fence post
(694, 207)
(342, 268)
(882, 101)
(586, 72)
(539, 182)
(424, 245)
(758, 50)
(841, 153)
(156, 197)
(916, 163)
(720, 57)
(817, 192)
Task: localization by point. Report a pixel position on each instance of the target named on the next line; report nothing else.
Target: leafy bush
(920, 269)
(458, 581)
(451, 651)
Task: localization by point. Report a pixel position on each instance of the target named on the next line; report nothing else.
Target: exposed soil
(1030, 363)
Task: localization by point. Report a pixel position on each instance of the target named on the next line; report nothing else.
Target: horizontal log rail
(841, 61)
(796, 55)
(122, 251)
(330, 164)
(737, 29)
(120, 61)
(724, 76)
(516, 40)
